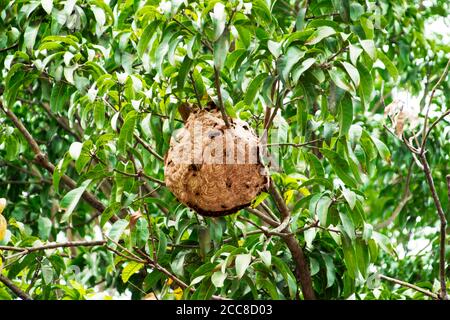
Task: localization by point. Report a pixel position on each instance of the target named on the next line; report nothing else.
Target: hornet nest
(213, 169)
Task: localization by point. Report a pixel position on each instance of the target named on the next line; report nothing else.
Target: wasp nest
(213, 169)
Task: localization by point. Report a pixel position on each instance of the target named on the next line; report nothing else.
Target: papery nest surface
(213, 169)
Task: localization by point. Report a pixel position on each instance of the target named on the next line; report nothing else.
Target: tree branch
(302, 268)
(409, 285)
(219, 97)
(437, 202)
(17, 291)
(42, 160)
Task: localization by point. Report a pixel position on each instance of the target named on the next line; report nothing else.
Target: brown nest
(213, 169)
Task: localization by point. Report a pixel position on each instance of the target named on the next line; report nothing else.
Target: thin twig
(219, 96)
(17, 291)
(437, 203)
(409, 285)
(42, 160)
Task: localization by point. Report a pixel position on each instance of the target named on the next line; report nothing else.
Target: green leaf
(99, 114)
(146, 36)
(242, 262)
(292, 56)
(13, 82)
(47, 5)
(340, 166)
(320, 34)
(218, 278)
(349, 196)
(71, 199)
(127, 131)
(218, 17)
(58, 97)
(366, 85)
(274, 48)
(388, 64)
(367, 25)
(369, 48)
(356, 11)
(116, 231)
(162, 246)
(75, 150)
(183, 72)
(347, 223)
(383, 151)
(362, 256)
(352, 72)
(322, 209)
(355, 52)
(259, 199)
(331, 270)
(253, 88)
(47, 273)
(345, 114)
(141, 232)
(199, 84)
(111, 210)
(339, 78)
(30, 36)
(44, 227)
(305, 65)
(287, 275)
(266, 257)
(349, 257)
(131, 268)
(221, 47)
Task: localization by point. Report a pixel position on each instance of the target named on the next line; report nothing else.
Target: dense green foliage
(97, 86)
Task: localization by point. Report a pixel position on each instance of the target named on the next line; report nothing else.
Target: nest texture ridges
(213, 169)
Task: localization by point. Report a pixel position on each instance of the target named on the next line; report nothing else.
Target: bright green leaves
(144, 40)
(366, 84)
(242, 262)
(47, 5)
(253, 88)
(274, 48)
(59, 97)
(339, 78)
(352, 72)
(116, 232)
(218, 278)
(127, 131)
(131, 268)
(292, 56)
(381, 148)
(320, 34)
(354, 52)
(185, 68)
(13, 82)
(340, 166)
(369, 48)
(345, 114)
(298, 71)
(29, 37)
(388, 64)
(221, 47)
(321, 209)
(140, 233)
(218, 17)
(71, 199)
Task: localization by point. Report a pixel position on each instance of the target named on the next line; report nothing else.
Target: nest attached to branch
(213, 169)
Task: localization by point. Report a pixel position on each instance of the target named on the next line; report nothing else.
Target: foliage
(97, 84)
